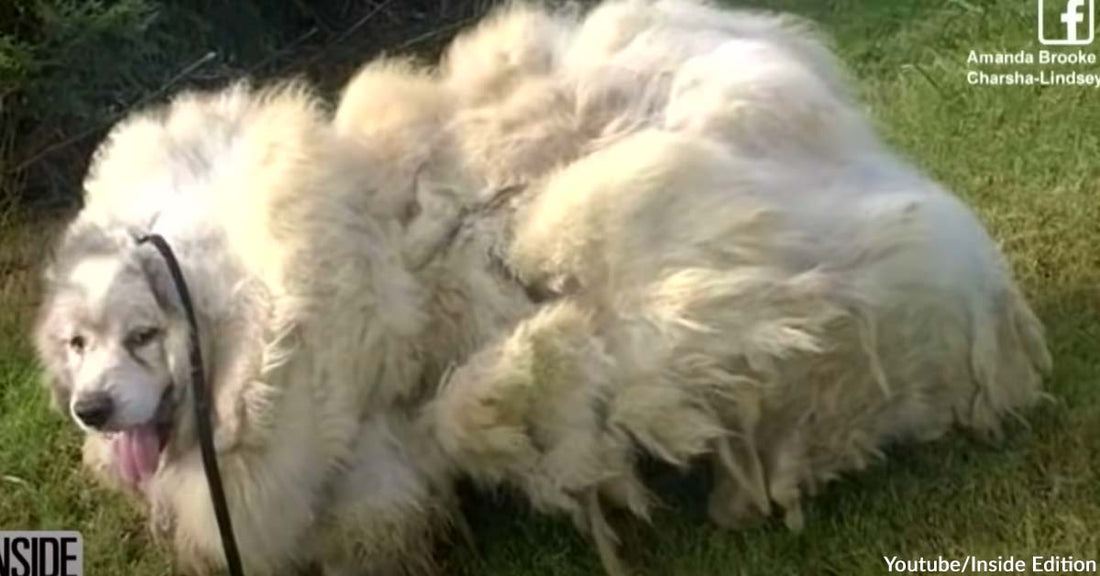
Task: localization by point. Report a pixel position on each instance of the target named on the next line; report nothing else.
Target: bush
(70, 68)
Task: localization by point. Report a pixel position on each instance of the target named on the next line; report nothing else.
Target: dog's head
(248, 186)
(111, 339)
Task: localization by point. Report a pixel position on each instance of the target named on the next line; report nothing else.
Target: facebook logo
(1066, 22)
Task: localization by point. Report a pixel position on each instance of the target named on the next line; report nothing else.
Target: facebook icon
(1075, 24)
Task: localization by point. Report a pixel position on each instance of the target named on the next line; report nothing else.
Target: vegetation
(1024, 157)
(69, 68)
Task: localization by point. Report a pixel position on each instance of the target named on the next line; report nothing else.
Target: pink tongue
(137, 451)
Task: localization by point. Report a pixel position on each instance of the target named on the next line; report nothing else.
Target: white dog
(656, 228)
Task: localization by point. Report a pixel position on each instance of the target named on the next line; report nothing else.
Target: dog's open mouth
(137, 449)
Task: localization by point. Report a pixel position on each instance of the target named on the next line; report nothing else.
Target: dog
(657, 228)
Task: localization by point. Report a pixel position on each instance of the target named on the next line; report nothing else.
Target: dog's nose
(94, 409)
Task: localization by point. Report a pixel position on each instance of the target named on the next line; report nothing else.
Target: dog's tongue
(137, 451)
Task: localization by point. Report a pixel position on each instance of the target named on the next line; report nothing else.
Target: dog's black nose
(94, 409)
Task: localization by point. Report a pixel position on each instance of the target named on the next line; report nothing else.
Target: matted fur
(658, 227)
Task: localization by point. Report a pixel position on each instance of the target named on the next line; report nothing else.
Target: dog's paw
(98, 458)
(733, 509)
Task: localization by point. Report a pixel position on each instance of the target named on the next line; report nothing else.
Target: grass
(1024, 157)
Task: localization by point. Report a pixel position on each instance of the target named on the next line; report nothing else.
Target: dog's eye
(142, 336)
(76, 343)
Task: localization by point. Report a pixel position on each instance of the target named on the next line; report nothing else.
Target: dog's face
(104, 338)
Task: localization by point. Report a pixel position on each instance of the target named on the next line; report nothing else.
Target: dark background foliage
(70, 68)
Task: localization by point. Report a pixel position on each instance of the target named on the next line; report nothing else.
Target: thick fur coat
(656, 228)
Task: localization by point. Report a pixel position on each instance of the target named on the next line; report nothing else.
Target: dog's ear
(57, 382)
(50, 346)
(167, 295)
(159, 278)
(48, 336)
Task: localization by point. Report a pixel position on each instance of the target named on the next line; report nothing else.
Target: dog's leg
(740, 490)
(387, 511)
(98, 459)
(532, 411)
(607, 542)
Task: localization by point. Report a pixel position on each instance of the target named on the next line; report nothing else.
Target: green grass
(1027, 158)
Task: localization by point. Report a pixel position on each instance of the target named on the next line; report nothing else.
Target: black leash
(202, 409)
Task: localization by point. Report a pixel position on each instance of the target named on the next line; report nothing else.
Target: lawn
(1027, 159)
